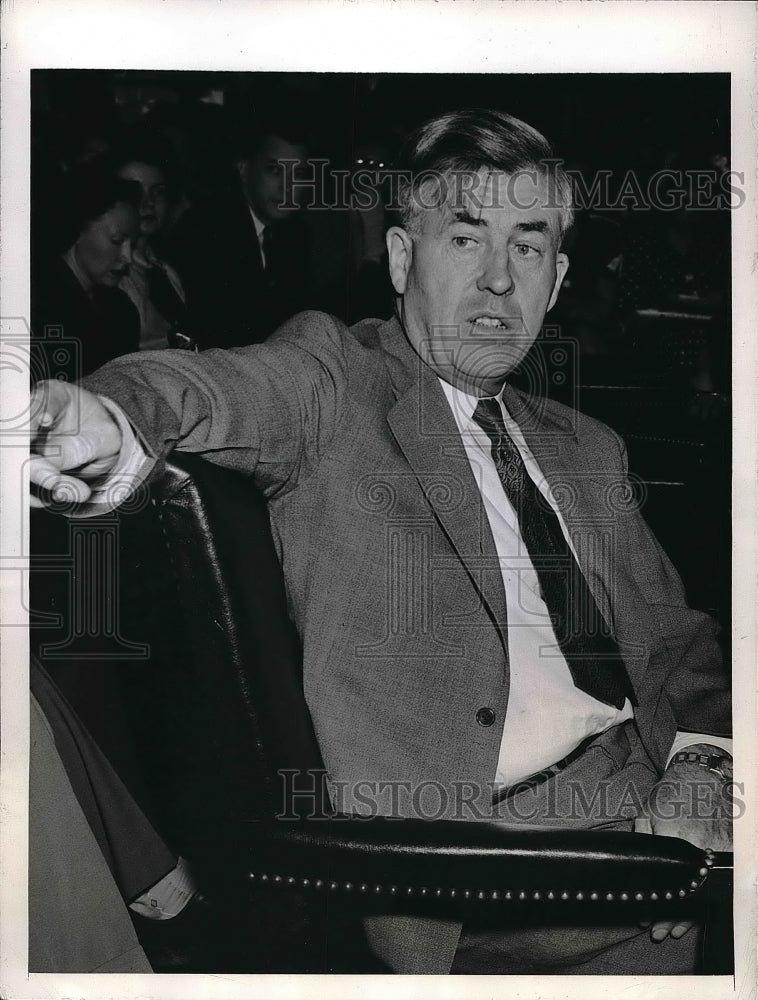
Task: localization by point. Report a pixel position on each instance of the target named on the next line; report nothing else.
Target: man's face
(478, 277)
(153, 210)
(263, 178)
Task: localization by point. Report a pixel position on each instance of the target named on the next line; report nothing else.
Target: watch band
(713, 761)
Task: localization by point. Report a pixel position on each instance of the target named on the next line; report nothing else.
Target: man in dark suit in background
(243, 255)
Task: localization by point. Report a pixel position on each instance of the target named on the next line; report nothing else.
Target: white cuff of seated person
(683, 740)
(168, 897)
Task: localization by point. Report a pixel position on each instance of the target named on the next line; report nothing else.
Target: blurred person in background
(75, 291)
(151, 283)
(242, 255)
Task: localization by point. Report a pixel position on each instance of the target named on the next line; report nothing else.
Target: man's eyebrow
(463, 216)
(537, 226)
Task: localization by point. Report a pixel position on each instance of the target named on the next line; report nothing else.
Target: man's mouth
(492, 321)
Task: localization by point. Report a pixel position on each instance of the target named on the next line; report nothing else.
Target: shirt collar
(259, 226)
(463, 403)
(463, 406)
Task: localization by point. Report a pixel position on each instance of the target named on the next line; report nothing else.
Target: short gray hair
(467, 141)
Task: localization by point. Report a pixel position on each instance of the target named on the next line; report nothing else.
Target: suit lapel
(425, 430)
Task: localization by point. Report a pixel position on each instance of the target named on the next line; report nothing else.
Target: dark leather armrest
(473, 861)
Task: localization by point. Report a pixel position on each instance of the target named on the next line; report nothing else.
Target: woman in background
(80, 316)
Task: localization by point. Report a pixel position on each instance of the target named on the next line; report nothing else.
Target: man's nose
(147, 201)
(126, 252)
(495, 275)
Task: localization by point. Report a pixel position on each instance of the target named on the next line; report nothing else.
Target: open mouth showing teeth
(489, 321)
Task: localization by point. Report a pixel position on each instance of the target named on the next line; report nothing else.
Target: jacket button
(485, 716)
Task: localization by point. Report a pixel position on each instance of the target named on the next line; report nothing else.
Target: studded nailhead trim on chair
(483, 895)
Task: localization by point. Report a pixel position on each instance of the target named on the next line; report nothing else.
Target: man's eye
(464, 242)
(525, 250)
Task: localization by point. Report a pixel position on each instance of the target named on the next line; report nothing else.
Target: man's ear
(561, 266)
(400, 251)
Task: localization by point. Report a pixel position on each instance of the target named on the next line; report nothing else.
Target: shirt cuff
(682, 740)
(135, 461)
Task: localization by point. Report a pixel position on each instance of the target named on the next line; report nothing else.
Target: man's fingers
(74, 452)
(43, 473)
(64, 489)
(97, 468)
(73, 430)
(675, 929)
(661, 930)
(74, 439)
(681, 927)
(77, 450)
(48, 400)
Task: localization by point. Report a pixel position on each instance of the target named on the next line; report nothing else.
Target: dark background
(618, 121)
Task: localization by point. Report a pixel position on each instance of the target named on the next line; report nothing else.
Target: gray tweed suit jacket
(390, 566)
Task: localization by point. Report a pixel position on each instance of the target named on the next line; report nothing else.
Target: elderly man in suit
(488, 630)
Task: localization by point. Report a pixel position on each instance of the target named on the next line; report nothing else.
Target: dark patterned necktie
(591, 654)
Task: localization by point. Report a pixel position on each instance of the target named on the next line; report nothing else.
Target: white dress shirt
(547, 716)
(259, 227)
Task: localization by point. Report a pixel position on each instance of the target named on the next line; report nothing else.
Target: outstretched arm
(268, 410)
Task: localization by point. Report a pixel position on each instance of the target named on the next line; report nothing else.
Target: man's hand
(688, 802)
(71, 432)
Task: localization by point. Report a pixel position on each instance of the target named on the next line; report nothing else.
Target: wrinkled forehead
(529, 192)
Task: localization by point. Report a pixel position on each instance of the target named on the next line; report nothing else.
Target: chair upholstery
(199, 585)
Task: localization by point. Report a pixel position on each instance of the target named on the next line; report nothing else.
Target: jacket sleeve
(269, 410)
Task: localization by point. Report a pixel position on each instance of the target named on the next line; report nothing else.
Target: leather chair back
(204, 655)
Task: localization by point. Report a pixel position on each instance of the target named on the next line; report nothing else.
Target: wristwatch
(713, 761)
